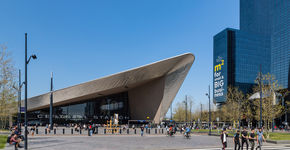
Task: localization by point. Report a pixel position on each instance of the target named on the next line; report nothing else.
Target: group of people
(15, 138)
(243, 138)
(171, 130)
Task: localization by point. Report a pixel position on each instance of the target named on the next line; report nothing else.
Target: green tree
(271, 108)
(235, 106)
(8, 105)
(180, 111)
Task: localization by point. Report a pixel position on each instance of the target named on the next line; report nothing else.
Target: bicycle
(187, 135)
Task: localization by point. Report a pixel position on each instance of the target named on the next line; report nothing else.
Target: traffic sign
(22, 109)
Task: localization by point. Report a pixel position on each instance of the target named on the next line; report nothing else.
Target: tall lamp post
(171, 111)
(51, 103)
(209, 112)
(25, 100)
(261, 95)
(19, 100)
(185, 102)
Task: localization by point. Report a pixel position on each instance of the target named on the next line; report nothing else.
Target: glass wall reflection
(96, 110)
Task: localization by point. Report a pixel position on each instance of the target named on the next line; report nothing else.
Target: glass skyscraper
(280, 41)
(263, 39)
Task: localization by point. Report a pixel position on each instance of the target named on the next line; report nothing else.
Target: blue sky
(84, 40)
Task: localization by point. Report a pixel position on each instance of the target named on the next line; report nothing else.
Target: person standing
(245, 138)
(252, 138)
(260, 139)
(224, 136)
(237, 140)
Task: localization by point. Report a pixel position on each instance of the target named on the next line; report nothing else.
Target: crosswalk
(266, 147)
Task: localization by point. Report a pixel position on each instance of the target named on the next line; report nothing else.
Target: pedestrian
(142, 130)
(245, 138)
(260, 139)
(252, 138)
(237, 140)
(90, 130)
(224, 136)
(32, 129)
(14, 140)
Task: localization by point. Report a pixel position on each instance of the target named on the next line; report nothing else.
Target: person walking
(260, 139)
(237, 140)
(142, 130)
(245, 138)
(224, 136)
(252, 138)
(32, 129)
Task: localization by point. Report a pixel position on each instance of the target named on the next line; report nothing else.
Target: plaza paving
(129, 142)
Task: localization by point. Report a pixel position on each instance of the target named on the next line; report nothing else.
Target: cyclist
(187, 132)
(171, 130)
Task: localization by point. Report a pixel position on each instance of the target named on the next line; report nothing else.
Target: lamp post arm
(28, 60)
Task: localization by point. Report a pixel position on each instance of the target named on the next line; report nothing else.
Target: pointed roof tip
(184, 55)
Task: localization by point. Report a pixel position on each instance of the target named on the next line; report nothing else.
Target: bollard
(162, 131)
(54, 131)
(89, 132)
(120, 131)
(148, 131)
(104, 131)
(63, 131)
(97, 130)
(36, 131)
(113, 131)
(155, 131)
(127, 131)
(135, 131)
(45, 131)
(80, 131)
(49, 130)
(72, 131)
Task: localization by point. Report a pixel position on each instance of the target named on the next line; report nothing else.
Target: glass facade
(263, 39)
(220, 68)
(251, 51)
(96, 110)
(255, 16)
(242, 53)
(280, 42)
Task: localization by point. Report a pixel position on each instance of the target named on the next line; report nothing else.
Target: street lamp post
(209, 112)
(200, 115)
(19, 100)
(51, 103)
(239, 114)
(185, 102)
(261, 94)
(171, 111)
(286, 117)
(25, 100)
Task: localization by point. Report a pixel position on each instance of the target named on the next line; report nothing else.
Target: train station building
(142, 93)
